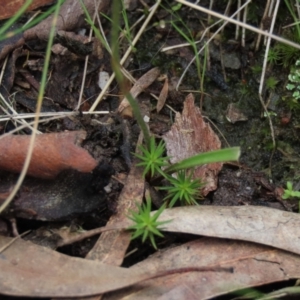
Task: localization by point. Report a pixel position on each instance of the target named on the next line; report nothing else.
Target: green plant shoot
(184, 188)
(290, 193)
(145, 224)
(152, 159)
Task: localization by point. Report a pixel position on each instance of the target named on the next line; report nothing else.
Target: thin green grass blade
(223, 155)
(14, 18)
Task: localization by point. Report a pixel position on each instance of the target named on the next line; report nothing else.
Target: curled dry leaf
(189, 136)
(141, 84)
(163, 95)
(52, 153)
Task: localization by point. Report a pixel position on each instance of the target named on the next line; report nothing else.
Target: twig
(263, 78)
(13, 240)
(231, 20)
(124, 58)
(217, 31)
(243, 28)
(261, 26)
(238, 17)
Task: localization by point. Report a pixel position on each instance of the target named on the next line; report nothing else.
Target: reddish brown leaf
(52, 153)
(73, 17)
(10, 7)
(189, 136)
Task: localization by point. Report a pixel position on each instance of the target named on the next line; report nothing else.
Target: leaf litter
(256, 224)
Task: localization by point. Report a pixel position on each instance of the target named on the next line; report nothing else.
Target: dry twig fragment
(52, 153)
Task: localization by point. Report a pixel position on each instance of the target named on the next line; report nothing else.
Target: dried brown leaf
(189, 136)
(253, 265)
(10, 7)
(52, 153)
(141, 84)
(73, 16)
(257, 224)
(163, 96)
(29, 270)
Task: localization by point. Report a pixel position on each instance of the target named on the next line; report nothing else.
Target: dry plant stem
(86, 60)
(270, 13)
(26, 124)
(101, 29)
(13, 240)
(226, 12)
(12, 109)
(263, 78)
(261, 26)
(212, 37)
(31, 123)
(142, 17)
(88, 234)
(3, 68)
(238, 17)
(50, 114)
(218, 129)
(231, 20)
(243, 28)
(126, 55)
(164, 49)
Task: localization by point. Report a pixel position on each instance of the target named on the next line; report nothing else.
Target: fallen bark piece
(191, 135)
(52, 153)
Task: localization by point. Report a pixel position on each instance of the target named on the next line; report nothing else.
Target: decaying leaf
(258, 224)
(73, 17)
(140, 85)
(52, 153)
(190, 135)
(267, 226)
(163, 95)
(10, 7)
(253, 265)
(29, 270)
